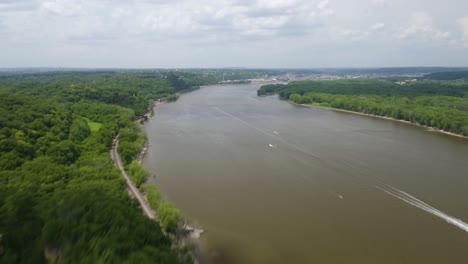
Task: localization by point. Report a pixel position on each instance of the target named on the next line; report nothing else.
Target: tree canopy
(61, 197)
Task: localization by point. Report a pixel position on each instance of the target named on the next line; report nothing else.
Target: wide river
(271, 182)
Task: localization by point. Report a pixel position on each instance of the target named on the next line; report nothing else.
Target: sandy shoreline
(431, 129)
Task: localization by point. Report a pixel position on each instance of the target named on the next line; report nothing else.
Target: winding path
(131, 186)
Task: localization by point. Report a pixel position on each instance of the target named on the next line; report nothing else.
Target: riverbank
(431, 129)
(142, 121)
(186, 238)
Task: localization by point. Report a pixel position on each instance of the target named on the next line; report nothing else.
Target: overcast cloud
(262, 33)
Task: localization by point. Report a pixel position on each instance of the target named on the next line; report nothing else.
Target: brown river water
(271, 182)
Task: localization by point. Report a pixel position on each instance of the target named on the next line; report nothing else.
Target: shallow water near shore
(271, 182)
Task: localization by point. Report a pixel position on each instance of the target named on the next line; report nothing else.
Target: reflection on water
(271, 182)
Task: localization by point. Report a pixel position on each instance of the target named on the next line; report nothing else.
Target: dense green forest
(127, 89)
(62, 200)
(442, 105)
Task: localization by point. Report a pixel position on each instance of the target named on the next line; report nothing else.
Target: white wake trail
(407, 198)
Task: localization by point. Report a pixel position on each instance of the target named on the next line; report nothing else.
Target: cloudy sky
(233, 33)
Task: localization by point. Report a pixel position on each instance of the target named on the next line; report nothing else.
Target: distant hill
(447, 76)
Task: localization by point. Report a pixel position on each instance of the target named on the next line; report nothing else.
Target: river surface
(271, 182)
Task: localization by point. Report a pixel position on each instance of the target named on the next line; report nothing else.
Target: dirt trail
(131, 186)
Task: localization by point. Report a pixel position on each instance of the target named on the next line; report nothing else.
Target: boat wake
(399, 194)
(407, 198)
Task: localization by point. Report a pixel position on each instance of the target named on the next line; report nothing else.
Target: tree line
(442, 105)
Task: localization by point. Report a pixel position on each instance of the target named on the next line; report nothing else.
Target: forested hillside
(442, 105)
(61, 197)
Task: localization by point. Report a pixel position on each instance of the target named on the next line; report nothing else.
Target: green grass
(94, 126)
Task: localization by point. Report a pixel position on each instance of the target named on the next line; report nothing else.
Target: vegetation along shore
(62, 200)
(442, 106)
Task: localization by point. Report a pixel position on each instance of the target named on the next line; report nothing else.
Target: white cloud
(421, 26)
(62, 7)
(261, 18)
(378, 2)
(157, 30)
(463, 23)
(352, 35)
(378, 26)
(324, 9)
(277, 4)
(168, 19)
(17, 6)
(323, 4)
